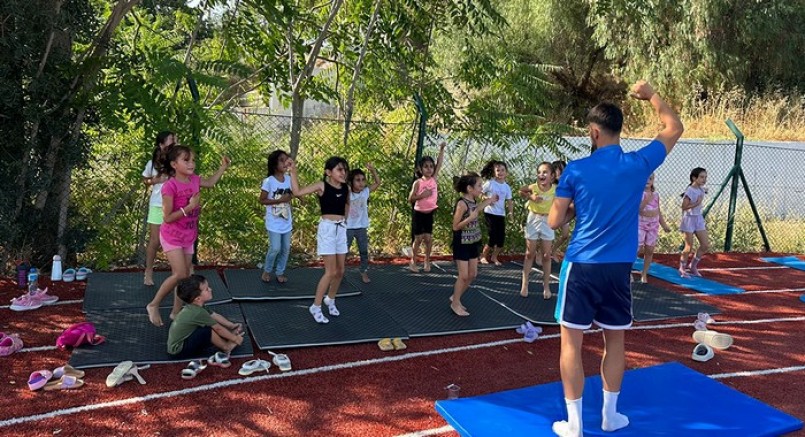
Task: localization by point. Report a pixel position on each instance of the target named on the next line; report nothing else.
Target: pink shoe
(44, 297)
(25, 303)
(38, 379)
(10, 344)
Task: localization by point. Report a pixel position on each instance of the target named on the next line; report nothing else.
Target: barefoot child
(275, 194)
(180, 209)
(540, 197)
(424, 194)
(197, 329)
(152, 177)
(467, 236)
(358, 218)
(648, 226)
(333, 194)
(495, 214)
(693, 222)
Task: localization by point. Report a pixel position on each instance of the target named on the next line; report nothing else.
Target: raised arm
(375, 177)
(317, 187)
(440, 159)
(212, 180)
(669, 118)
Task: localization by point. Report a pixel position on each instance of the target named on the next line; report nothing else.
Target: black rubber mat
(428, 312)
(650, 302)
(533, 308)
(130, 336)
(287, 323)
(108, 290)
(390, 278)
(507, 277)
(302, 282)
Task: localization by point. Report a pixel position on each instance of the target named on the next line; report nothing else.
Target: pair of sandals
(63, 378)
(71, 275)
(280, 360)
(219, 359)
(124, 372)
(391, 344)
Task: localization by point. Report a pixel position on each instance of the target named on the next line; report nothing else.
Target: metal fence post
(739, 147)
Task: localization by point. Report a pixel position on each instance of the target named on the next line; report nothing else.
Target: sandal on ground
(398, 344)
(66, 382)
(82, 273)
(385, 344)
(282, 361)
(68, 370)
(10, 344)
(705, 317)
(38, 379)
(118, 373)
(253, 366)
(714, 339)
(220, 359)
(193, 369)
(68, 275)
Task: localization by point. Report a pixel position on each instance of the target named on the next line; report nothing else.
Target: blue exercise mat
(788, 261)
(702, 285)
(669, 399)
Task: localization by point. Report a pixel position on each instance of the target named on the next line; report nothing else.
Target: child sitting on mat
(197, 329)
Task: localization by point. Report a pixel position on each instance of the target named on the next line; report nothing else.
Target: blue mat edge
(791, 262)
(795, 425)
(690, 283)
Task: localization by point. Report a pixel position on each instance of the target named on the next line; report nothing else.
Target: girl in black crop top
(333, 193)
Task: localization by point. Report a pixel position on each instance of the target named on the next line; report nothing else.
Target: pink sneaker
(10, 344)
(25, 303)
(44, 297)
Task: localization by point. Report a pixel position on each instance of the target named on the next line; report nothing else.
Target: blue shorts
(598, 293)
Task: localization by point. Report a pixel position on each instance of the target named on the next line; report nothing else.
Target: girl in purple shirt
(693, 222)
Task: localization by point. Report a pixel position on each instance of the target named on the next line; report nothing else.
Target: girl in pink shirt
(180, 208)
(424, 194)
(648, 225)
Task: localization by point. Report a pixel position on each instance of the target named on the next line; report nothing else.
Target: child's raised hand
(641, 90)
(442, 144)
(225, 161)
(290, 164)
(370, 166)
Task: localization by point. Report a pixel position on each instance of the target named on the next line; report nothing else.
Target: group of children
(343, 196)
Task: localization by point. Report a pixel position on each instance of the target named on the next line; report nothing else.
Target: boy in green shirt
(196, 328)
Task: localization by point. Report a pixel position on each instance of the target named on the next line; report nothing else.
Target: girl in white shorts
(333, 194)
(540, 198)
(693, 223)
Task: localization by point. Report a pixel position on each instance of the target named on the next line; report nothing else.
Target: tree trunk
(297, 112)
(350, 101)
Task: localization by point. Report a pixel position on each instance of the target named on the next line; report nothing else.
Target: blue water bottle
(33, 277)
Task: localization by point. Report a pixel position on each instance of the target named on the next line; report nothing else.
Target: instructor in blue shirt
(603, 193)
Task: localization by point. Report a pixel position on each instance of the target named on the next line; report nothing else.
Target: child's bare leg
(495, 253)
(648, 255)
(461, 285)
(547, 265)
(151, 253)
(485, 255)
(225, 346)
(683, 258)
(528, 261)
(415, 253)
(177, 260)
(428, 239)
(338, 275)
(177, 303)
(704, 246)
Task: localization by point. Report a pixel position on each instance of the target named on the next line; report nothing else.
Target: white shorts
(331, 238)
(536, 228)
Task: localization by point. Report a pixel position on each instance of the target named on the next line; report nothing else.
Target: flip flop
(68, 370)
(398, 344)
(65, 383)
(82, 273)
(38, 379)
(385, 345)
(253, 366)
(118, 373)
(282, 361)
(220, 359)
(193, 369)
(702, 352)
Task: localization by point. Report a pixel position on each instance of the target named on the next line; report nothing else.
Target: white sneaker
(702, 352)
(331, 306)
(317, 314)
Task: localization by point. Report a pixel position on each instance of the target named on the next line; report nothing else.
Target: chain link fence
(110, 201)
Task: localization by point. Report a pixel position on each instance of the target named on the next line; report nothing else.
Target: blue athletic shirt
(606, 188)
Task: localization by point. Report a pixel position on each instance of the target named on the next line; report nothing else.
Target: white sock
(572, 426)
(612, 420)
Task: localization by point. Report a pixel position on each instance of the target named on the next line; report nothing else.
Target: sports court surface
(356, 389)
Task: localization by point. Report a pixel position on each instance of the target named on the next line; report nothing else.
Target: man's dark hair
(190, 288)
(607, 116)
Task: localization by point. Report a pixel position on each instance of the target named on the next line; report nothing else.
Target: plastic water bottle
(33, 277)
(55, 272)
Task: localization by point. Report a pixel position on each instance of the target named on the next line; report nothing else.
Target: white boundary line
(61, 302)
(37, 349)
(716, 269)
(351, 365)
(781, 290)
